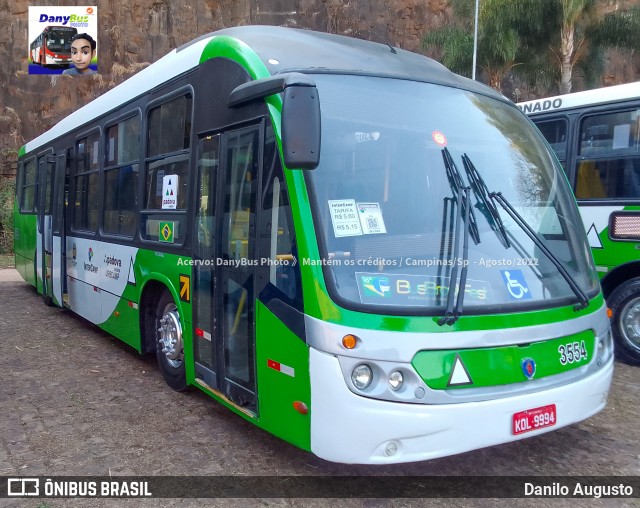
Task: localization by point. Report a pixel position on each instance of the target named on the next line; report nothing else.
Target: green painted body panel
(333, 313)
(234, 49)
(124, 323)
(278, 391)
(150, 265)
(24, 244)
(501, 365)
(615, 253)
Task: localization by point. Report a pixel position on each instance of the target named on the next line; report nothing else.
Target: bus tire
(624, 301)
(169, 344)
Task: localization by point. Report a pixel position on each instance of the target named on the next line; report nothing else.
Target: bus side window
(164, 218)
(277, 243)
(609, 156)
(86, 186)
(29, 187)
(555, 132)
(121, 177)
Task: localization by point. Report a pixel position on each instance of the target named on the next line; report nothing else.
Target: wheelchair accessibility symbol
(516, 284)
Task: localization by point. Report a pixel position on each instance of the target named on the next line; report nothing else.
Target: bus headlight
(362, 376)
(395, 380)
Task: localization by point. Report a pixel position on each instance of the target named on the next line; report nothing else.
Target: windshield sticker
(344, 217)
(371, 218)
(439, 138)
(415, 290)
(516, 284)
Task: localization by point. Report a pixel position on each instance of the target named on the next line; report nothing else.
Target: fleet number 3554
(572, 352)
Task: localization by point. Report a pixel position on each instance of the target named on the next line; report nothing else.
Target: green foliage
(620, 30)
(525, 36)
(506, 36)
(456, 45)
(7, 192)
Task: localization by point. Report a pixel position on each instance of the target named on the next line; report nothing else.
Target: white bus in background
(596, 137)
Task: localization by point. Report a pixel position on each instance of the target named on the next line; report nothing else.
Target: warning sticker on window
(344, 217)
(371, 219)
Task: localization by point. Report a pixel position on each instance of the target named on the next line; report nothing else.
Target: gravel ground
(75, 401)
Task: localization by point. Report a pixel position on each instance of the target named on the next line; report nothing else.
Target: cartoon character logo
(528, 368)
(90, 254)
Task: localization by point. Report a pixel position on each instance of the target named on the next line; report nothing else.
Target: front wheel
(169, 345)
(625, 323)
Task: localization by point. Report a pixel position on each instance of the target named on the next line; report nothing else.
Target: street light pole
(475, 42)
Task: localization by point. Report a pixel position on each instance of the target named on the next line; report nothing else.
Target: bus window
(86, 183)
(166, 199)
(121, 177)
(30, 184)
(277, 235)
(555, 132)
(608, 164)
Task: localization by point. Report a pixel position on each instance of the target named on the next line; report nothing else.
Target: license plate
(533, 419)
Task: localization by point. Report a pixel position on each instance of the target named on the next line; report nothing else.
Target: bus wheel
(169, 345)
(625, 304)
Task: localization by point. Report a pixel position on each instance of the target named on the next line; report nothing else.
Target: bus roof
(281, 50)
(604, 95)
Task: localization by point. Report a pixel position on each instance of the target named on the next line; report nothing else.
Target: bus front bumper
(58, 61)
(349, 428)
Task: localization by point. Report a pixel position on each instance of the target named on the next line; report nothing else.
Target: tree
(506, 36)
(544, 39)
(585, 35)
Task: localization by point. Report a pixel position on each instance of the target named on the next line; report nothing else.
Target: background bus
(596, 137)
(53, 46)
(337, 240)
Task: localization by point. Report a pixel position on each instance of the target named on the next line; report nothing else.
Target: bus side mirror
(300, 114)
(301, 127)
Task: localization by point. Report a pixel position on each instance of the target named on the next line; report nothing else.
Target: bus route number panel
(534, 419)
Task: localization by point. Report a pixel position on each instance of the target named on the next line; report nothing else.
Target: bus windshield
(60, 39)
(402, 202)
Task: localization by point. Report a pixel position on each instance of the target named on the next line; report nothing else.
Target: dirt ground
(75, 401)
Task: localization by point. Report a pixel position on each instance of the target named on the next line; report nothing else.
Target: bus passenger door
(232, 268)
(44, 245)
(58, 207)
(205, 239)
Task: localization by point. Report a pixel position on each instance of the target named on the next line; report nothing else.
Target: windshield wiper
(464, 214)
(485, 204)
(457, 184)
(519, 220)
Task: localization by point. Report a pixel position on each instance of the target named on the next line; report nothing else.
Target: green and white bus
(344, 243)
(596, 136)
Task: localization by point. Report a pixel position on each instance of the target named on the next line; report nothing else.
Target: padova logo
(169, 192)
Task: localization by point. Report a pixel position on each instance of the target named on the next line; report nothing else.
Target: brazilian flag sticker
(166, 231)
